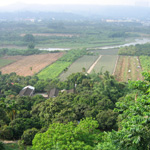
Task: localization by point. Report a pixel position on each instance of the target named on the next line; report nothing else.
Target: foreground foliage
(2, 146)
(134, 120)
(95, 96)
(83, 136)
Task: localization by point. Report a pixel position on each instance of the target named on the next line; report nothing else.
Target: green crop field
(145, 62)
(5, 62)
(78, 65)
(53, 70)
(106, 63)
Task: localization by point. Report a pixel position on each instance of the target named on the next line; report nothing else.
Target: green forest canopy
(99, 115)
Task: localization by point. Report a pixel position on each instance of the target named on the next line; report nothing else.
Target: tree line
(137, 50)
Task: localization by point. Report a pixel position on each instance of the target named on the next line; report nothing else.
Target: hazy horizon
(79, 9)
(87, 2)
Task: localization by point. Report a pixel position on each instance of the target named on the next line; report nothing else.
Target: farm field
(106, 51)
(128, 68)
(145, 62)
(29, 65)
(78, 65)
(106, 63)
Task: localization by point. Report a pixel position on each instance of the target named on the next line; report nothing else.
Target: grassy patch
(5, 62)
(145, 62)
(13, 146)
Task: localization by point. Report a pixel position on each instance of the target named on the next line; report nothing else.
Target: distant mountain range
(88, 11)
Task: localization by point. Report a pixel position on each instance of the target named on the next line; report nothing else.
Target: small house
(53, 92)
(27, 91)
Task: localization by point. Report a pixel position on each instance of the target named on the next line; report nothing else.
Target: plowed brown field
(29, 65)
(128, 68)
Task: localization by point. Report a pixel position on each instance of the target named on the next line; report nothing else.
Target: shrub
(28, 136)
(1, 146)
(6, 133)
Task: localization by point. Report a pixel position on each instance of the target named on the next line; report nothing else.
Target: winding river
(137, 41)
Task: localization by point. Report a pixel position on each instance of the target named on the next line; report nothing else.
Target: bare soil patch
(9, 142)
(29, 65)
(115, 65)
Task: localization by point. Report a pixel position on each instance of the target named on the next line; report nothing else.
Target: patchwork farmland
(105, 60)
(123, 67)
(29, 65)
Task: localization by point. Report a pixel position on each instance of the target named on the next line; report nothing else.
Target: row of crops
(128, 68)
(123, 67)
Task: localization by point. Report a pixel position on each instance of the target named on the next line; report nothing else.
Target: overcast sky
(100, 2)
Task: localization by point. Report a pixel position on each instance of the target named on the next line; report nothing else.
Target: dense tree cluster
(118, 34)
(22, 117)
(25, 52)
(133, 126)
(102, 114)
(137, 50)
(134, 121)
(83, 136)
